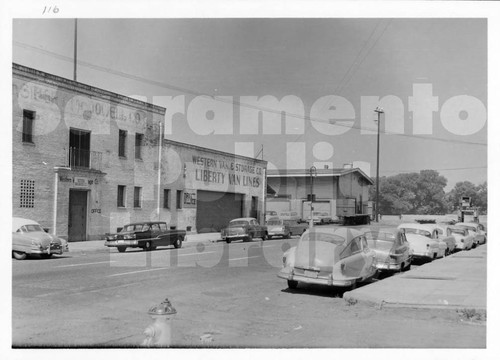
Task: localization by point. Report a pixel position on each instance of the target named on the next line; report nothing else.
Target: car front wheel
(121, 248)
(148, 246)
(178, 243)
(19, 255)
(292, 284)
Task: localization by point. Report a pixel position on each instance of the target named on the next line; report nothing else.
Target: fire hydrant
(159, 333)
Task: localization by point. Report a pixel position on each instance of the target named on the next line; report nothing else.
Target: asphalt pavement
(456, 282)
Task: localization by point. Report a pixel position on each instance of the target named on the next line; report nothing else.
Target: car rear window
(239, 222)
(274, 222)
(321, 236)
(417, 231)
(32, 228)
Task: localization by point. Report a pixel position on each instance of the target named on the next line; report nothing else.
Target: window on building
(138, 145)
(28, 118)
(137, 197)
(79, 148)
(122, 139)
(121, 196)
(179, 199)
(27, 199)
(166, 198)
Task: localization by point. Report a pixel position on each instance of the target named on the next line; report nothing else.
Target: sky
(430, 75)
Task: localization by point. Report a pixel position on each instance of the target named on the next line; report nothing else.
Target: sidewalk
(98, 245)
(457, 281)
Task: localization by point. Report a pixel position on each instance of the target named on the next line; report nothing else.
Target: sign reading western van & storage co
(235, 173)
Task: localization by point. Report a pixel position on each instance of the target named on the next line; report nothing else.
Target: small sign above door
(81, 182)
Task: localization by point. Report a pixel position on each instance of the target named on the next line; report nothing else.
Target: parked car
(478, 231)
(243, 229)
(147, 235)
(296, 228)
(290, 215)
(392, 250)
(320, 218)
(464, 240)
(278, 227)
(29, 238)
(270, 214)
(329, 256)
(423, 241)
(445, 234)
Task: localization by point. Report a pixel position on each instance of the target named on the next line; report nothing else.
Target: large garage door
(215, 209)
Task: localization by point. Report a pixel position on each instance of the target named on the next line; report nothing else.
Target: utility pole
(379, 111)
(75, 50)
(312, 171)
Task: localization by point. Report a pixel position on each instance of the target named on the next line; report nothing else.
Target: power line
(233, 102)
(446, 169)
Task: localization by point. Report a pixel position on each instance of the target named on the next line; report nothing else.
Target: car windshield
(31, 228)
(321, 236)
(238, 223)
(274, 222)
(470, 228)
(417, 231)
(290, 222)
(135, 227)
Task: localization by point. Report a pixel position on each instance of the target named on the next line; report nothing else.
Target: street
(226, 295)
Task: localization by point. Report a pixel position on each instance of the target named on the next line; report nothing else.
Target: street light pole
(311, 171)
(379, 111)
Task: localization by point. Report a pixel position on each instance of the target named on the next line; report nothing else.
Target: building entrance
(77, 217)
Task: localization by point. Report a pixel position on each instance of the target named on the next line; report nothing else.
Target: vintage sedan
(392, 250)
(423, 241)
(278, 227)
(29, 238)
(329, 256)
(243, 229)
(320, 218)
(296, 227)
(478, 231)
(464, 240)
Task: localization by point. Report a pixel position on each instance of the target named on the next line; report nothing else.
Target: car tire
(288, 236)
(292, 284)
(248, 238)
(228, 241)
(265, 237)
(178, 243)
(148, 246)
(19, 255)
(121, 248)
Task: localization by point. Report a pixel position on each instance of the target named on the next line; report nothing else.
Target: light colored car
(329, 256)
(270, 214)
(445, 234)
(278, 227)
(29, 238)
(320, 218)
(392, 250)
(464, 240)
(478, 231)
(243, 229)
(424, 241)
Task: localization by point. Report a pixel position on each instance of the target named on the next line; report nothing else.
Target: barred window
(122, 138)
(166, 198)
(120, 201)
(138, 145)
(28, 118)
(137, 197)
(27, 199)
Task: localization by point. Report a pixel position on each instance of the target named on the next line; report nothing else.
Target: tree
(430, 194)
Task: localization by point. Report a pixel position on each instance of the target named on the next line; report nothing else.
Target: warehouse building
(86, 161)
(338, 191)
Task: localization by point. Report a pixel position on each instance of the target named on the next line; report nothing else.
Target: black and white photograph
(245, 176)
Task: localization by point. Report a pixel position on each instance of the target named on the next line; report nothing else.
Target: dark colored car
(147, 235)
(243, 229)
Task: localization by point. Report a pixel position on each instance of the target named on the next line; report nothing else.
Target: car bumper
(116, 243)
(48, 251)
(276, 233)
(423, 255)
(388, 266)
(319, 280)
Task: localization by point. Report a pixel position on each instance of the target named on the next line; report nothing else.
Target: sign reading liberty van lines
(235, 173)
